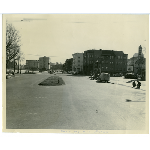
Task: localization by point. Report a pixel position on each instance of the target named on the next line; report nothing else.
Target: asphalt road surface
(79, 104)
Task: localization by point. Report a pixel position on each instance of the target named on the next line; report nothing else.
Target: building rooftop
(107, 52)
(118, 53)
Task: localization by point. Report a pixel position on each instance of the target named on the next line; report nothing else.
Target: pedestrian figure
(134, 84)
(138, 85)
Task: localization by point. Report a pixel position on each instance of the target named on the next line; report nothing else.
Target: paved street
(79, 104)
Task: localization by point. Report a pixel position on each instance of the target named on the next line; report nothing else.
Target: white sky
(58, 36)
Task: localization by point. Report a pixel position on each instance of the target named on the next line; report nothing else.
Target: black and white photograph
(76, 73)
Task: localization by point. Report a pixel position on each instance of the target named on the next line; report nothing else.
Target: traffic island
(52, 81)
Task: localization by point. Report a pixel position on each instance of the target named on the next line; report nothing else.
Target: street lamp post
(97, 63)
(20, 66)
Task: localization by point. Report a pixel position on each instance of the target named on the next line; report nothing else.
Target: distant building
(32, 64)
(120, 62)
(109, 61)
(56, 66)
(138, 62)
(77, 64)
(44, 63)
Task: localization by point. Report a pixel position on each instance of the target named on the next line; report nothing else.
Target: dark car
(130, 76)
(117, 75)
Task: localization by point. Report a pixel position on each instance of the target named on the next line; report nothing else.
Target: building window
(118, 57)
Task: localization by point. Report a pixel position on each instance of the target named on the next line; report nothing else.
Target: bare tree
(12, 43)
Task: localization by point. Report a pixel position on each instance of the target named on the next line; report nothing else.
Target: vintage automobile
(130, 76)
(103, 77)
(117, 75)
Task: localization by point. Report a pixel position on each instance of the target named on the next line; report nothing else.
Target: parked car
(104, 77)
(117, 75)
(130, 76)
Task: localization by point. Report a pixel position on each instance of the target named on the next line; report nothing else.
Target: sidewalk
(127, 82)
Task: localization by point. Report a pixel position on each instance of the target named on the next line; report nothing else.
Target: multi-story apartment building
(77, 64)
(104, 61)
(90, 60)
(32, 64)
(120, 62)
(44, 63)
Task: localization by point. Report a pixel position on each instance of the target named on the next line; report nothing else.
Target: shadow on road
(102, 82)
(128, 100)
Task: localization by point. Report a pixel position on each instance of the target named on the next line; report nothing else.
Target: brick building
(120, 62)
(89, 60)
(109, 61)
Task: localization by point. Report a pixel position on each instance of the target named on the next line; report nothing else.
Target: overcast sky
(58, 36)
